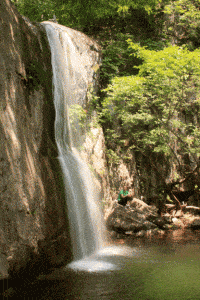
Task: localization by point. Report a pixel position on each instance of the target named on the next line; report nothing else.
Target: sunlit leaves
(80, 12)
(158, 108)
(183, 22)
(36, 10)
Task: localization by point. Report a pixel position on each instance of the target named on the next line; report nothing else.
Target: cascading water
(70, 83)
(69, 77)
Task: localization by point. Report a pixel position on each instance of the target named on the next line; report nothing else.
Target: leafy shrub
(183, 22)
(116, 58)
(157, 110)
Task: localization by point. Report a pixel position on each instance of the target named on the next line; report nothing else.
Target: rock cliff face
(32, 202)
(34, 230)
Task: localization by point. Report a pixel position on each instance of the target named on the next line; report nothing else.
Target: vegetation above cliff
(80, 12)
(177, 19)
(149, 79)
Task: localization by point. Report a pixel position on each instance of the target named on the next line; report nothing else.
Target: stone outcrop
(32, 202)
(133, 217)
(138, 219)
(188, 217)
(34, 233)
(93, 152)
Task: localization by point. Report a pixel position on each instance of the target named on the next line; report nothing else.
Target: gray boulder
(134, 217)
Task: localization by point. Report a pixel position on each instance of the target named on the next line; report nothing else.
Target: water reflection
(156, 269)
(151, 269)
(116, 250)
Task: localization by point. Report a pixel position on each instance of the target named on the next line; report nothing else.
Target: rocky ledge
(139, 219)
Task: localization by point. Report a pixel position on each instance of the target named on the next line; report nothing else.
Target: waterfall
(69, 79)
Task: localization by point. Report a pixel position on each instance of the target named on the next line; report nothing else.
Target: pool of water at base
(166, 267)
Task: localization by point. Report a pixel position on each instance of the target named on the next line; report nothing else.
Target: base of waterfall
(91, 265)
(96, 262)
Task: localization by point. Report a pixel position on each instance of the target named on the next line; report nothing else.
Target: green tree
(36, 10)
(157, 110)
(79, 12)
(182, 22)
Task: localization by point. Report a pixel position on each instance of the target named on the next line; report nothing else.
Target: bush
(157, 110)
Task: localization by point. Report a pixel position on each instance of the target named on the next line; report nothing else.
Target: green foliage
(92, 99)
(116, 58)
(80, 12)
(125, 5)
(157, 109)
(181, 17)
(183, 21)
(78, 117)
(154, 45)
(112, 156)
(36, 10)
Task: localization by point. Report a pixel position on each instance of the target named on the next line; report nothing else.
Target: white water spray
(69, 77)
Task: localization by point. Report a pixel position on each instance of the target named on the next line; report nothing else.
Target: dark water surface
(165, 267)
